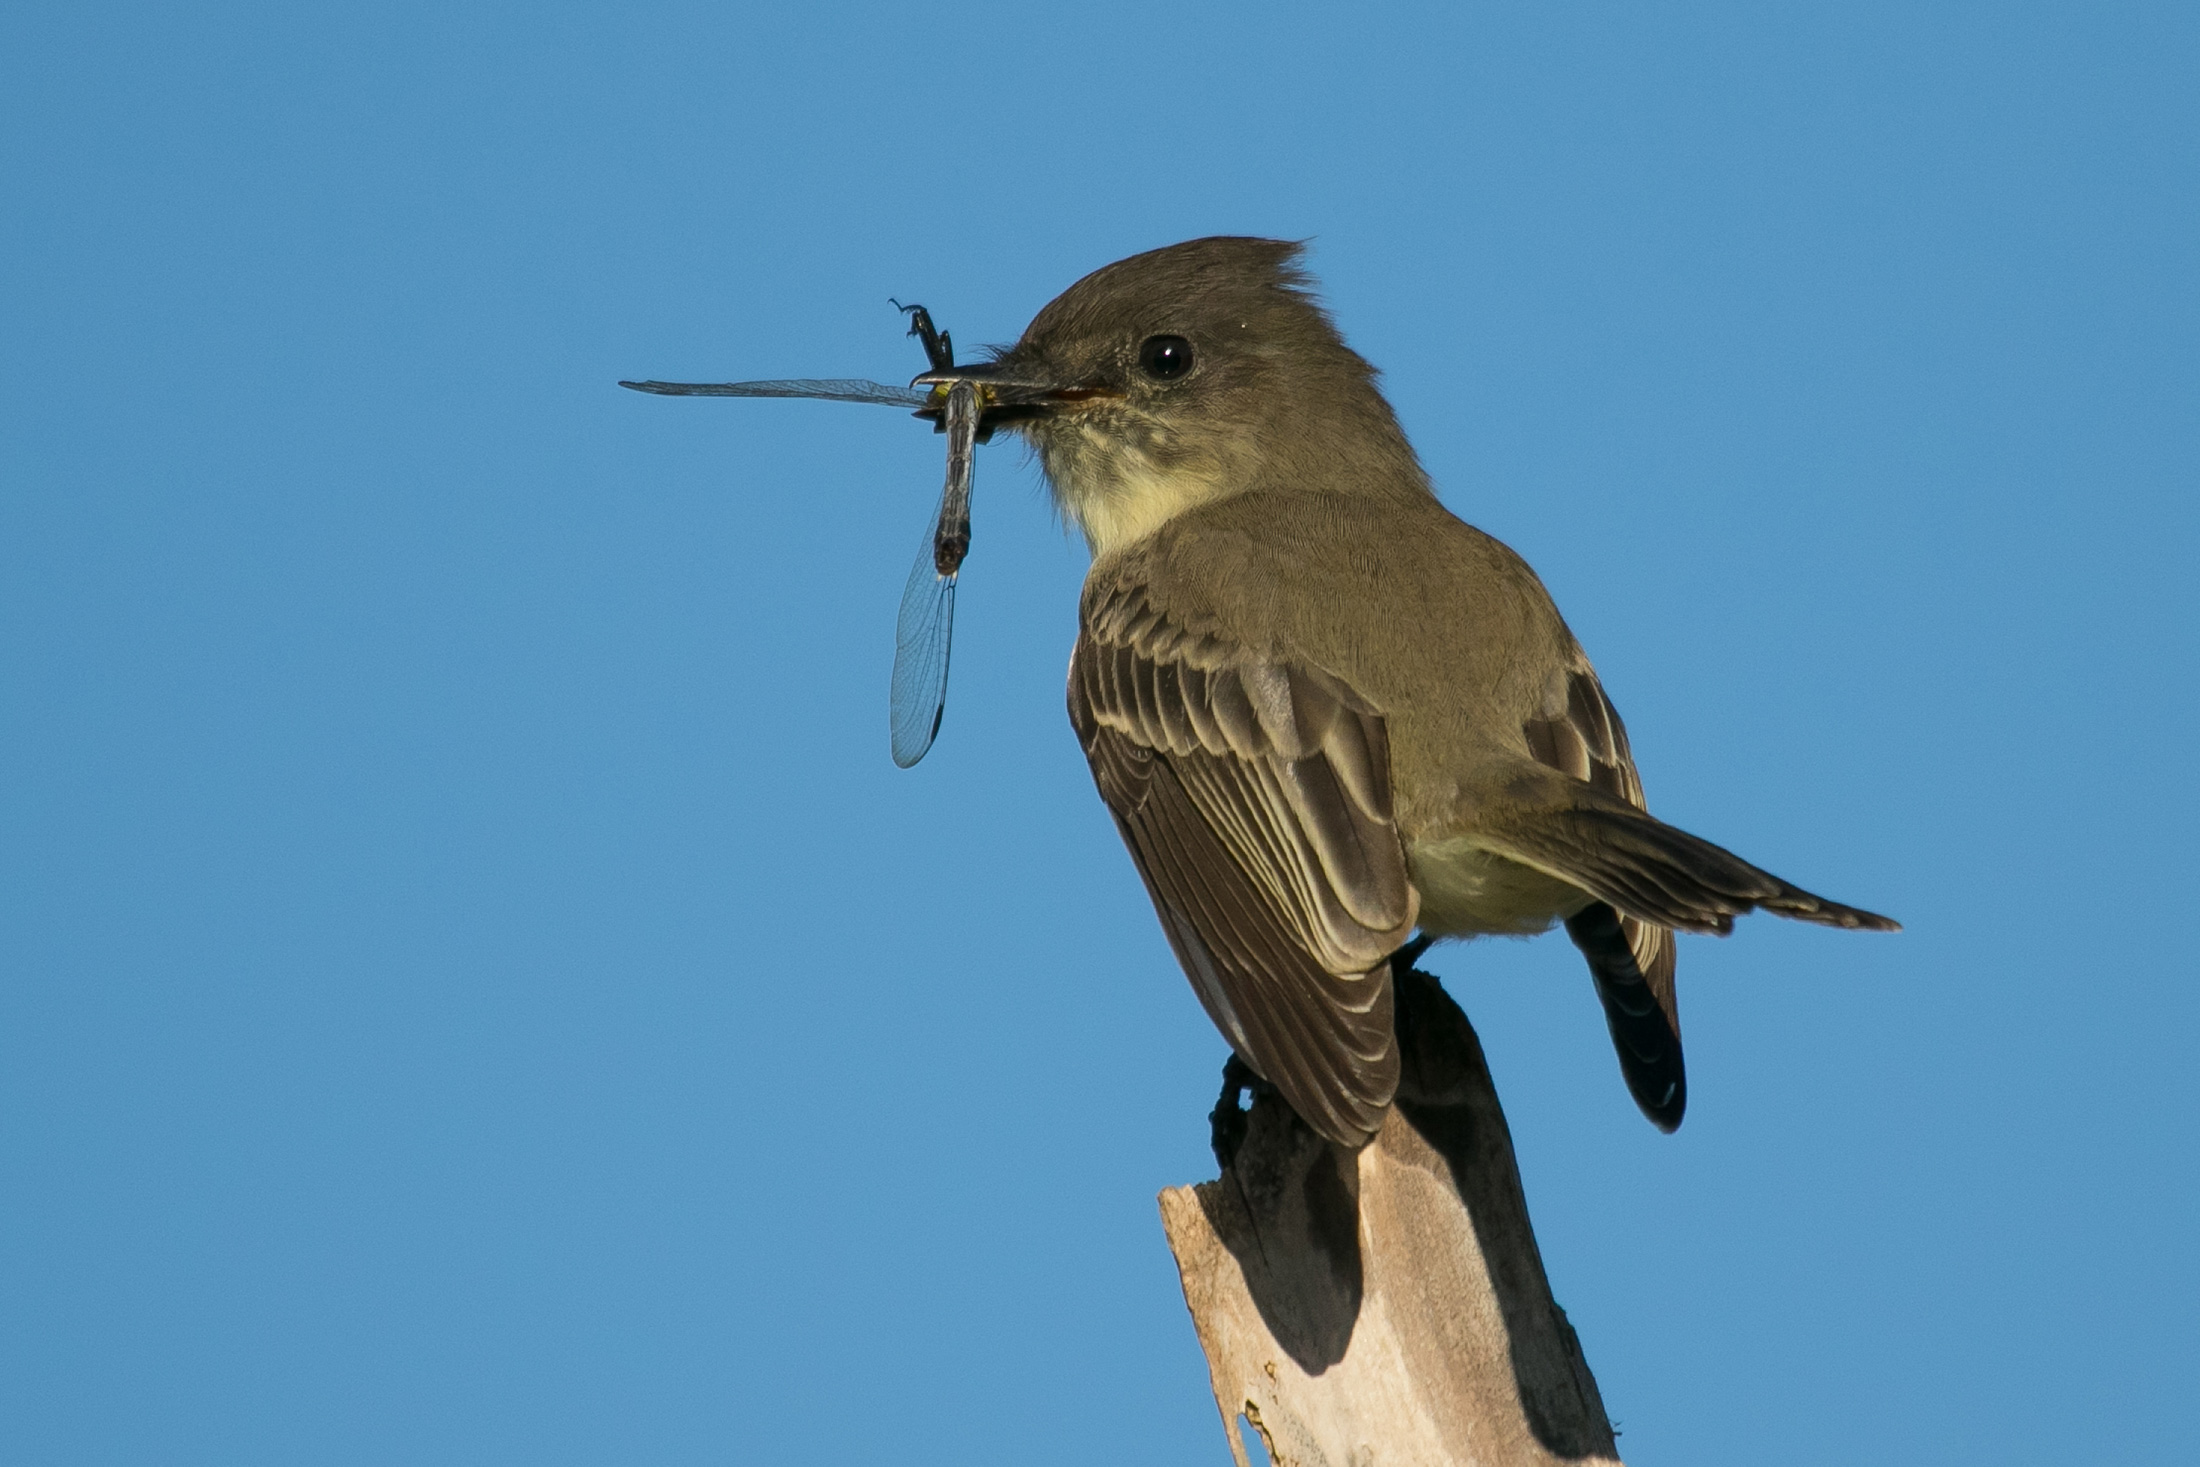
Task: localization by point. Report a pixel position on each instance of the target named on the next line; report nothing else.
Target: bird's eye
(1165, 358)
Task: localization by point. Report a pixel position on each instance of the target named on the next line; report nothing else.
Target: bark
(1386, 1309)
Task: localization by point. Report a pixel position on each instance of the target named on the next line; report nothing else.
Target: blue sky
(473, 987)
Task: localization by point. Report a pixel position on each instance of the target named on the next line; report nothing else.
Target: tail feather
(1656, 873)
(1643, 1032)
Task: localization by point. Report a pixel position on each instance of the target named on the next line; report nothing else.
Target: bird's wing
(1254, 794)
(1579, 733)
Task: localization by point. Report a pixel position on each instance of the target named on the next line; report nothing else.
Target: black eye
(1165, 358)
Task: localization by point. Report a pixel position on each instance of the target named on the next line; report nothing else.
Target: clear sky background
(473, 988)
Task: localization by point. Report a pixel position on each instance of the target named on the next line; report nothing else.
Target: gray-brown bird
(1324, 711)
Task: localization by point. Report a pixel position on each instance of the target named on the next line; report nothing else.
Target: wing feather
(1580, 734)
(1254, 794)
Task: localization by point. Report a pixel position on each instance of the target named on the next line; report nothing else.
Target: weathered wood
(1389, 1309)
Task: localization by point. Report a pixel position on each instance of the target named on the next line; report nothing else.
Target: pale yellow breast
(1467, 891)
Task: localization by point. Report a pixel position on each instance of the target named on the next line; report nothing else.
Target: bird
(1325, 713)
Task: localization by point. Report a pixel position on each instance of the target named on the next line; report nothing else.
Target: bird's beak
(1009, 389)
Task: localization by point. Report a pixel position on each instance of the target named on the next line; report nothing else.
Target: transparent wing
(832, 389)
(924, 633)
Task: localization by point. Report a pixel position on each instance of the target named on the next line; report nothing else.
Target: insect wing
(831, 389)
(924, 633)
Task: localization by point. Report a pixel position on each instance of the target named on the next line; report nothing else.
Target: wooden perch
(1388, 1309)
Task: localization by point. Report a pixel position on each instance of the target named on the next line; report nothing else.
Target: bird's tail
(1644, 868)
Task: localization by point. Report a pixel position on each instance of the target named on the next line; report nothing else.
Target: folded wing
(1254, 795)
(1581, 734)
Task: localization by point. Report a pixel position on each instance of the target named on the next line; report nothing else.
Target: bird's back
(1441, 628)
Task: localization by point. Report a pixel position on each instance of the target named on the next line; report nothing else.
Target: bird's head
(1178, 376)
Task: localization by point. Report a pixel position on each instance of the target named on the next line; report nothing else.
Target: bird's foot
(1227, 1121)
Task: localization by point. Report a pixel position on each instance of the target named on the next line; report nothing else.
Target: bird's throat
(1119, 492)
